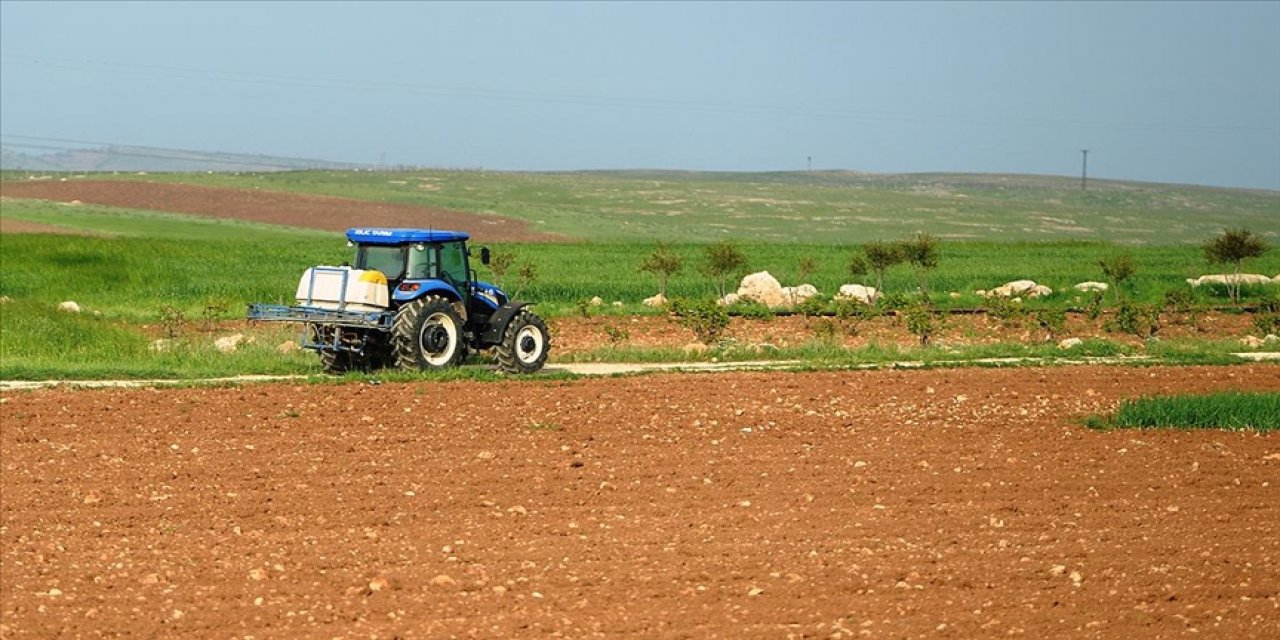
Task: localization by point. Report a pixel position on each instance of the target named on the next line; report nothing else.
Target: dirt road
(958, 503)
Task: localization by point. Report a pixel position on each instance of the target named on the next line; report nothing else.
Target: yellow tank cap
(373, 276)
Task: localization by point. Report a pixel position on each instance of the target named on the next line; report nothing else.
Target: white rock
(1230, 278)
(159, 346)
(763, 288)
(1070, 343)
(1091, 285)
(796, 295)
(617, 303)
(1271, 337)
(863, 294)
(1029, 288)
(5, 299)
(729, 299)
(596, 301)
(286, 347)
(694, 349)
(69, 306)
(1253, 342)
(229, 344)
(656, 301)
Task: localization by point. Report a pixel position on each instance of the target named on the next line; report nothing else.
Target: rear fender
(498, 322)
(420, 288)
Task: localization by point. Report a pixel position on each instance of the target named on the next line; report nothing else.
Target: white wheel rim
(531, 356)
(442, 320)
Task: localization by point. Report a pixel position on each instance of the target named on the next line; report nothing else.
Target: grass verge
(1231, 410)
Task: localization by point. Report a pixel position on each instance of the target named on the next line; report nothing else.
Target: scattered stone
(229, 344)
(655, 301)
(5, 299)
(443, 580)
(954, 295)
(1070, 343)
(1057, 570)
(518, 510)
(286, 347)
(70, 306)
(1027, 288)
(596, 301)
(160, 345)
(861, 293)
(1091, 285)
(485, 455)
(617, 303)
(378, 584)
(755, 591)
(1230, 278)
(1252, 342)
(257, 574)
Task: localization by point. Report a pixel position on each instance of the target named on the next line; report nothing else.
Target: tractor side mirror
(484, 255)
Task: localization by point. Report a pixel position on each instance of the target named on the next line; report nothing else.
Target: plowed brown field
(274, 207)
(954, 504)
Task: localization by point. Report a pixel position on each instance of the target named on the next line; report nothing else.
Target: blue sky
(1166, 92)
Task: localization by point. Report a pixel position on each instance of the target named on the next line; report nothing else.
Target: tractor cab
(419, 261)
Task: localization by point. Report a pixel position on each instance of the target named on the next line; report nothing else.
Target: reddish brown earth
(9, 225)
(954, 504)
(274, 207)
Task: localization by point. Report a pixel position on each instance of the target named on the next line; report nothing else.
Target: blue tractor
(409, 300)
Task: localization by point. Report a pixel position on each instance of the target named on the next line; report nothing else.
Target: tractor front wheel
(525, 344)
(427, 334)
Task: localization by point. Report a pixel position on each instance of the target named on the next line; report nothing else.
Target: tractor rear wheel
(525, 344)
(428, 334)
(336, 362)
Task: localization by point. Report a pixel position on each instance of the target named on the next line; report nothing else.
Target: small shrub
(706, 319)
(1053, 321)
(583, 305)
(723, 259)
(806, 268)
(752, 309)
(1140, 320)
(1267, 323)
(1009, 313)
(663, 263)
(213, 310)
(1181, 307)
(922, 322)
(171, 320)
(1233, 247)
(825, 329)
(1117, 270)
(811, 308)
(1093, 306)
(851, 314)
(615, 334)
(921, 251)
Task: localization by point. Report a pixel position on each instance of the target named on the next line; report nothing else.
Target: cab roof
(371, 235)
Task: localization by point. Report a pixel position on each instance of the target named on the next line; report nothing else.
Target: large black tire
(336, 362)
(428, 335)
(525, 344)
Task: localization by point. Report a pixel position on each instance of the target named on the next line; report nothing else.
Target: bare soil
(954, 504)
(9, 225)
(274, 207)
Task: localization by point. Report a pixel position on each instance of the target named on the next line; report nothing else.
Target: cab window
(388, 260)
(453, 262)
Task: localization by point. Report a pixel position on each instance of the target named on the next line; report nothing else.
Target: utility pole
(1084, 170)
(810, 169)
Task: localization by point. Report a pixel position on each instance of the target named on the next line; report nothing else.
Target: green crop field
(789, 207)
(141, 265)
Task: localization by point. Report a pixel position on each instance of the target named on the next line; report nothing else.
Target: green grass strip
(1230, 410)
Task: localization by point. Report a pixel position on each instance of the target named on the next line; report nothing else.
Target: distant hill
(132, 158)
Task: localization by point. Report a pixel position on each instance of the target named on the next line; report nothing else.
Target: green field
(796, 207)
(141, 265)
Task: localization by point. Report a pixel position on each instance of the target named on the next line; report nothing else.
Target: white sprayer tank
(343, 288)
